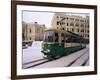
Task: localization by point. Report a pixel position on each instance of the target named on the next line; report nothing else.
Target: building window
(67, 29)
(82, 25)
(77, 24)
(88, 35)
(71, 24)
(67, 24)
(67, 18)
(76, 19)
(57, 16)
(30, 30)
(88, 31)
(88, 26)
(72, 19)
(62, 23)
(30, 38)
(72, 30)
(82, 30)
(77, 30)
(57, 23)
(81, 20)
(62, 28)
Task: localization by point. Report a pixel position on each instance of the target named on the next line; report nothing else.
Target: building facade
(70, 22)
(32, 31)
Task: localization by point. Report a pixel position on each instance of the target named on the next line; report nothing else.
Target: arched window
(67, 24)
(58, 23)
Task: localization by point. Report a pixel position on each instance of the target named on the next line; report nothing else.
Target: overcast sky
(40, 17)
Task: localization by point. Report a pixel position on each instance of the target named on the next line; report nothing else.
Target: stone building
(32, 31)
(75, 23)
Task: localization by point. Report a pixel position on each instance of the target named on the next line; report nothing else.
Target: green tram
(58, 43)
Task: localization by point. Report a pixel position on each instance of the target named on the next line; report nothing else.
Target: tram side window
(66, 38)
(56, 37)
(62, 37)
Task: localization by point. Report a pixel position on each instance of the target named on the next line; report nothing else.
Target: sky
(41, 17)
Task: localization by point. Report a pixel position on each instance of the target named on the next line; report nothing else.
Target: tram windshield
(49, 36)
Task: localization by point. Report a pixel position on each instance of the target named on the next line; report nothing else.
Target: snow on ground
(81, 60)
(64, 61)
(32, 52)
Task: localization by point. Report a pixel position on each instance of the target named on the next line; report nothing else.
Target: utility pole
(60, 29)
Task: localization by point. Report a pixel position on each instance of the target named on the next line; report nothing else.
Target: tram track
(36, 63)
(85, 61)
(45, 60)
(71, 63)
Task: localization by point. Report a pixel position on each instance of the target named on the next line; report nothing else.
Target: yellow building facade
(32, 31)
(70, 22)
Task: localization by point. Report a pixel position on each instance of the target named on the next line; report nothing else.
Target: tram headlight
(48, 50)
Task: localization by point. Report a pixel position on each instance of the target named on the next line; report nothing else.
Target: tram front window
(48, 36)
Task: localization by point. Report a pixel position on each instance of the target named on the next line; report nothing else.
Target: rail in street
(79, 58)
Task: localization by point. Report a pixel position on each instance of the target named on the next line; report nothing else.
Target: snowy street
(33, 53)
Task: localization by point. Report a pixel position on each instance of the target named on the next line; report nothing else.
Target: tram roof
(68, 32)
(74, 34)
(64, 31)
